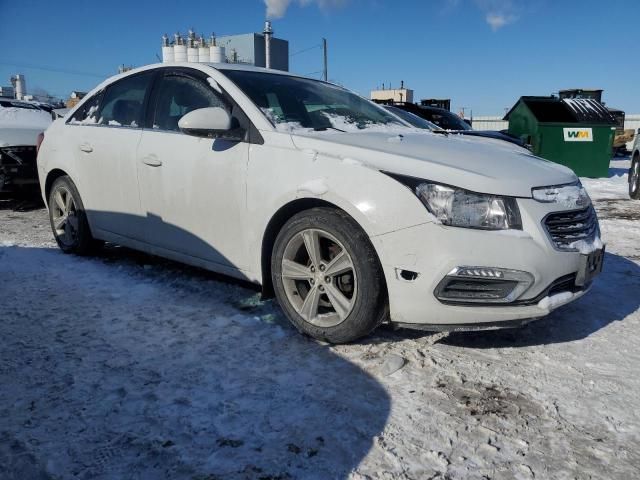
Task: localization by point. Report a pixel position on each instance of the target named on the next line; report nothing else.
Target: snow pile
(614, 187)
(568, 196)
(215, 85)
(554, 301)
(585, 247)
(90, 118)
(573, 196)
(340, 123)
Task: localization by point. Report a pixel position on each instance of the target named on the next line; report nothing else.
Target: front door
(192, 189)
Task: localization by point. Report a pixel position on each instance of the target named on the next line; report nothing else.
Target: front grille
(24, 155)
(566, 228)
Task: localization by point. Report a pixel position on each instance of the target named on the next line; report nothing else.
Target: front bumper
(18, 167)
(432, 251)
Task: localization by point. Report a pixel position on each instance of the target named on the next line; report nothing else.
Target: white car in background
(348, 215)
(20, 124)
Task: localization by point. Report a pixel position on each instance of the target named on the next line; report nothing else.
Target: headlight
(571, 196)
(460, 208)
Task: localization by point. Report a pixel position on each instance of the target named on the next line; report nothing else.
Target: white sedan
(348, 214)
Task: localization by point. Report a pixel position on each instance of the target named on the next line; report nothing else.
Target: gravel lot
(128, 366)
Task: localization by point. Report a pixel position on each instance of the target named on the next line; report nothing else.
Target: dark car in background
(453, 123)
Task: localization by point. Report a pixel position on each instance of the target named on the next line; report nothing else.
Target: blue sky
(483, 54)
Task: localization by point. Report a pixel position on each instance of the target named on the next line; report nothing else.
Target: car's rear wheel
(327, 277)
(68, 218)
(634, 178)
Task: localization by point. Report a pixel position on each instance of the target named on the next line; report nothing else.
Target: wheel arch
(52, 176)
(275, 224)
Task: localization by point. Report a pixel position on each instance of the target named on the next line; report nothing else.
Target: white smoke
(278, 8)
(499, 13)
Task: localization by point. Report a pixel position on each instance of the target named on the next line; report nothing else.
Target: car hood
(19, 126)
(472, 163)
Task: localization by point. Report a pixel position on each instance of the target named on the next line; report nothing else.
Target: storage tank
(167, 50)
(192, 50)
(180, 53)
(203, 50)
(217, 54)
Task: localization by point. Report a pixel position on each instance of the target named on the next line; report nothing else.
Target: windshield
(294, 103)
(413, 119)
(447, 120)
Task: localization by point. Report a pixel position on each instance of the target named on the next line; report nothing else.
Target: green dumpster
(577, 133)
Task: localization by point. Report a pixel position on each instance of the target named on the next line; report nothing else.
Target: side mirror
(206, 122)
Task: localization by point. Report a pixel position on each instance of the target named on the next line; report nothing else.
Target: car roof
(433, 109)
(196, 65)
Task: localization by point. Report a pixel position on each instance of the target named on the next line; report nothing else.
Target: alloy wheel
(319, 277)
(635, 174)
(64, 216)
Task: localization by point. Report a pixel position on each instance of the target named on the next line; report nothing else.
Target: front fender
(378, 203)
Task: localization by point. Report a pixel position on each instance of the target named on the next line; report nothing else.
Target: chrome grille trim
(564, 228)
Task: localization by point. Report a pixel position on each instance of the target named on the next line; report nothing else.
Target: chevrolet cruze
(349, 215)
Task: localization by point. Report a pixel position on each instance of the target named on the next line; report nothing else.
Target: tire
(634, 178)
(336, 294)
(68, 219)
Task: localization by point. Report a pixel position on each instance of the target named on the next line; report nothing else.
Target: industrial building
(17, 90)
(259, 49)
(393, 95)
(7, 92)
(74, 98)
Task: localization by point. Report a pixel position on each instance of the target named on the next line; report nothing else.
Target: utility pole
(324, 55)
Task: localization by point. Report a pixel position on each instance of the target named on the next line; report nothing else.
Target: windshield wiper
(323, 129)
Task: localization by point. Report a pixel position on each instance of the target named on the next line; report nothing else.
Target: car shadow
(21, 201)
(617, 172)
(132, 365)
(613, 297)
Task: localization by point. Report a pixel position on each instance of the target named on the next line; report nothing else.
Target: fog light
(479, 272)
(482, 285)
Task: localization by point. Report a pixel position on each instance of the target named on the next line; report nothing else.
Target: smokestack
(20, 86)
(267, 43)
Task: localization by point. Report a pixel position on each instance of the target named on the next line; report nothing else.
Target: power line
(304, 50)
(47, 68)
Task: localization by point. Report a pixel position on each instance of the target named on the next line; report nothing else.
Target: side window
(122, 101)
(178, 95)
(87, 114)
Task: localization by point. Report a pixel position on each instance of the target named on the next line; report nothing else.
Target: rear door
(109, 129)
(192, 189)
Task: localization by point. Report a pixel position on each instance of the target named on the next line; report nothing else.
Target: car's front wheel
(327, 277)
(68, 218)
(634, 178)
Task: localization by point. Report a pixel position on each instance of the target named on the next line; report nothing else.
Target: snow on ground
(127, 366)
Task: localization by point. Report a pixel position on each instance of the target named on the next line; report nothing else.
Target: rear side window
(87, 114)
(178, 95)
(122, 102)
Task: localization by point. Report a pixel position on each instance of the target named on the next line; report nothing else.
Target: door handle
(85, 147)
(152, 161)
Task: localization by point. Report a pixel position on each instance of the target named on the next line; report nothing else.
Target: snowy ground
(127, 366)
